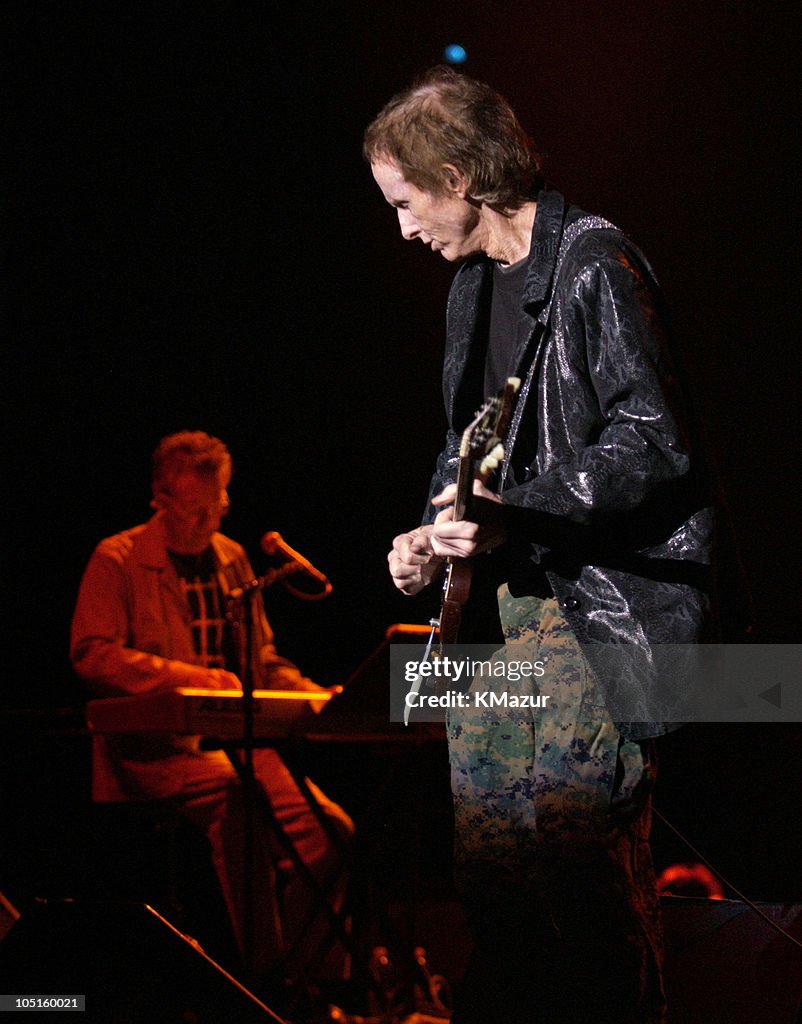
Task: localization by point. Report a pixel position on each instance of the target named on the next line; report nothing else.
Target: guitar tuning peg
(492, 460)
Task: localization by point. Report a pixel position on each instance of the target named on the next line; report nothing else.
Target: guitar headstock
(482, 443)
(483, 439)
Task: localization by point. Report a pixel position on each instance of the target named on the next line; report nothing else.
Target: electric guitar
(481, 451)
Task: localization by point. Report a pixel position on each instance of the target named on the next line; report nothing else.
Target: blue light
(455, 54)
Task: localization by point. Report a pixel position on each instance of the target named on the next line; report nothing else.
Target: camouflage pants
(551, 842)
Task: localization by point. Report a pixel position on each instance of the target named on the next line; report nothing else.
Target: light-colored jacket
(131, 634)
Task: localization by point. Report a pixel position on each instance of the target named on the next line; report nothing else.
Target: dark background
(193, 241)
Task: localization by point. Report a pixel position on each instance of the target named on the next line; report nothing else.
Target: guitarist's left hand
(465, 538)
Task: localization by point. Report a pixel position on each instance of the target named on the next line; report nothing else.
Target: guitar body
(481, 451)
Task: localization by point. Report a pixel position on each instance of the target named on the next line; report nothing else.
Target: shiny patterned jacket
(605, 500)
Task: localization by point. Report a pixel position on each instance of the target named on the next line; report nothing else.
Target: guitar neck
(465, 476)
(480, 453)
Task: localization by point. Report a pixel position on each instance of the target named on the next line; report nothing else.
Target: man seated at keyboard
(151, 615)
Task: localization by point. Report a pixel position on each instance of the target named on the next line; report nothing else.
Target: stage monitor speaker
(130, 963)
(726, 965)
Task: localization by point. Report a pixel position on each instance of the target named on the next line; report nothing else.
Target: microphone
(274, 544)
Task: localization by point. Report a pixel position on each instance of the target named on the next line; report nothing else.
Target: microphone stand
(241, 614)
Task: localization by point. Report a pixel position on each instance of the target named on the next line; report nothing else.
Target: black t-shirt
(507, 324)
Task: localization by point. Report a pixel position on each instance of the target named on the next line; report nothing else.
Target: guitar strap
(569, 236)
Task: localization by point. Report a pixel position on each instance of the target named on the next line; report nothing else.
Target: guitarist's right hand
(412, 562)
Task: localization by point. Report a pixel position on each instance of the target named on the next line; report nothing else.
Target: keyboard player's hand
(219, 679)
